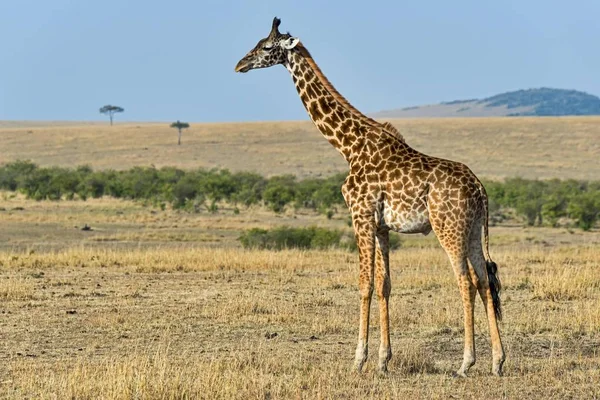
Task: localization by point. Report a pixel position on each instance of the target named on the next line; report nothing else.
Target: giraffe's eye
(267, 47)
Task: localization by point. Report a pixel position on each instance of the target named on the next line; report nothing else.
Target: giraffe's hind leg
(480, 279)
(454, 243)
(467, 293)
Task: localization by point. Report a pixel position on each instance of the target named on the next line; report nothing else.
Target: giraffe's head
(269, 51)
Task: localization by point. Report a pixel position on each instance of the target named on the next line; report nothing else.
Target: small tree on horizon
(111, 111)
(179, 126)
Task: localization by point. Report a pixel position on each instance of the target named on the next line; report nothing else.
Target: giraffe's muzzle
(243, 66)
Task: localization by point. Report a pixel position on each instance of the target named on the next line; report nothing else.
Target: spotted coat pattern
(391, 186)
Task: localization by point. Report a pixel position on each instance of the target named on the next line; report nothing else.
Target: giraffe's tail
(495, 286)
(492, 268)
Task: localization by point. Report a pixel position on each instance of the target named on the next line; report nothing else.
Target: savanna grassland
(165, 304)
(153, 303)
(550, 147)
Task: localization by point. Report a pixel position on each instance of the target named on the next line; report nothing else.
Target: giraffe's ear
(290, 43)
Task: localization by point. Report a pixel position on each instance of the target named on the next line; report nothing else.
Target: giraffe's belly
(415, 220)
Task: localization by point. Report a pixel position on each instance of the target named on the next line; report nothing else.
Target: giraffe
(391, 186)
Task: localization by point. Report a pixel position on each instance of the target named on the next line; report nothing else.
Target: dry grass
(229, 323)
(570, 282)
(16, 288)
(493, 147)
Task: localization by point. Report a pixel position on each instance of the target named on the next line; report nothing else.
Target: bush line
(285, 237)
(548, 202)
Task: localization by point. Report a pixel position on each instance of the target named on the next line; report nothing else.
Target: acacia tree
(180, 125)
(111, 111)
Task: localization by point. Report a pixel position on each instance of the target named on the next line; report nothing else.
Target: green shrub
(394, 242)
(280, 191)
(585, 209)
(213, 207)
(302, 238)
(249, 188)
(545, 202)
(94, 185)
(325, 238)
(554, 208)
(319, 194)
(287, 238)
(12, 175)
(184, 190)
(217, 185)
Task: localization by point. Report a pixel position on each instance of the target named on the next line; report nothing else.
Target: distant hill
(530, 102)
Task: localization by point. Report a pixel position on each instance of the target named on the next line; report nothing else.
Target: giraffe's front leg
(384, 287)
(365, 239)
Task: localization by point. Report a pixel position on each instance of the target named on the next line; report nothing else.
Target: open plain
(549, 147)
(154, 303)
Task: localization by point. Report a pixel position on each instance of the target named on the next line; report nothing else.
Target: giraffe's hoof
(497, 370)
(359, 363)
(358, 367)
(360, 358)
(385, 355)
(497, 366)
(382, 366)
(460, 374)
(382, 371)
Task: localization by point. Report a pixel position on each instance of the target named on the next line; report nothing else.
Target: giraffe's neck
(342, 125)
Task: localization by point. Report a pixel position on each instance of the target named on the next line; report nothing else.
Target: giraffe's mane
(385, 127)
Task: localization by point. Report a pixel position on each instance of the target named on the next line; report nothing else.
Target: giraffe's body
(391, 186)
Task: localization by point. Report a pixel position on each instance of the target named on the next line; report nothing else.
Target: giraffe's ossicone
(391, 186)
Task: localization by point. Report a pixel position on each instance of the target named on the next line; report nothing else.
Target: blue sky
(168, 60)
